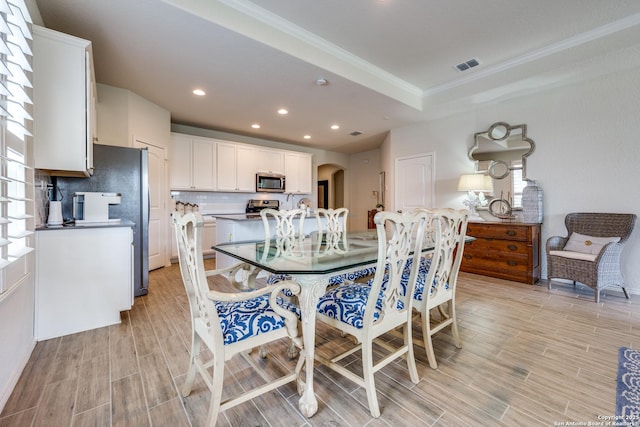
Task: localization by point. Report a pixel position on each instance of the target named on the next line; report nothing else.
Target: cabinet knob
(467, 256)
(511, 233)
(512, 263)
(512, 247)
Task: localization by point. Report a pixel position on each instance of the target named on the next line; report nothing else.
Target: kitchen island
(84, 277)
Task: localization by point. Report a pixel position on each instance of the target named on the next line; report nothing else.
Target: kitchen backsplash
(210, 202)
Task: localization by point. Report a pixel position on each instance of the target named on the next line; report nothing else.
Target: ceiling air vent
(464, 66)
(355, 133)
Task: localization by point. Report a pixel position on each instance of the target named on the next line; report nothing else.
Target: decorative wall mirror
(501, 149)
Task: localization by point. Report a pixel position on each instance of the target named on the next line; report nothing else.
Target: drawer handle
(512, 263)
(511, 233)
(512, 247)
(467, 256)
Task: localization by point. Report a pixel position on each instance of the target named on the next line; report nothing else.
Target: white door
(157, 205)
(415, 182)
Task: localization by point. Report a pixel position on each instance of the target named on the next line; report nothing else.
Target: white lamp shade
(475, 182)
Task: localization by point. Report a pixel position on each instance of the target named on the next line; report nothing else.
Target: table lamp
(472, 184)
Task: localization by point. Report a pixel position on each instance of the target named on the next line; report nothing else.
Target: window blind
(16, 176)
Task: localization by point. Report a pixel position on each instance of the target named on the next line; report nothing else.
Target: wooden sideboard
(504, 250)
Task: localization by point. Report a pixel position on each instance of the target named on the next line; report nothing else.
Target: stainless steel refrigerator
(119, 170)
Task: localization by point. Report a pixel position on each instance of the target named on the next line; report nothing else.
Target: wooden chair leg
(454, 325)
(428, 343)
(193, 368)
(411, 358)
(216, 393)
(369, 382)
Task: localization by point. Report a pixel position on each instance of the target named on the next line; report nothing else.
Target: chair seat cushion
(244, 319)
(588, 244)
(423, 271)
(574, 255)
(347, 303)
(333, 280)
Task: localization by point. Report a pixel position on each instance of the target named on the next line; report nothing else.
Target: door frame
(163, 225)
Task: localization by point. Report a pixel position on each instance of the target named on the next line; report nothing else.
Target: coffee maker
(92, 207)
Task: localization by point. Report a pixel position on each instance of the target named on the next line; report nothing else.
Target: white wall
(365, 172)
(587, 153)
(123, 115)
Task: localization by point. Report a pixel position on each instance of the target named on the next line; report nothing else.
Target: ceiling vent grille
(464, 66)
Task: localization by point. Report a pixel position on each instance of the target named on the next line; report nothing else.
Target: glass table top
(313, 254)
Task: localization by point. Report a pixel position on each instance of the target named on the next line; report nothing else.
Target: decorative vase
(532, 203)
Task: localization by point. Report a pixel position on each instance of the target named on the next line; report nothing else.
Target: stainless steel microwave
(270, 183)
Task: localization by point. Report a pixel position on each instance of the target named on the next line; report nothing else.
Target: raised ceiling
(388, 63)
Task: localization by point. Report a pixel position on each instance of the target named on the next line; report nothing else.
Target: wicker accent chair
(597, 270)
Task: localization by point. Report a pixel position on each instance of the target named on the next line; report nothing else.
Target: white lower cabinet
(208, 239)
(84, 279)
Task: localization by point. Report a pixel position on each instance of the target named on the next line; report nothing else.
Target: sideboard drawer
(499, 231)
(485, 244)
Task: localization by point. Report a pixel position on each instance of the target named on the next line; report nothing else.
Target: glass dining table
(311, 261)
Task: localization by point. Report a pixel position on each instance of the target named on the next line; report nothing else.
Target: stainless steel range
(256, 205)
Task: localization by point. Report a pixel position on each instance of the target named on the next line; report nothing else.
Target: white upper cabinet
(236, 171)
(64, 103)
(298, 172)
(270, 161)
(192, 163)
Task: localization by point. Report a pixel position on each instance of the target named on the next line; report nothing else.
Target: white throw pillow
(588, 244)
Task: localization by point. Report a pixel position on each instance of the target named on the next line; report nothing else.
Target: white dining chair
(332, 220)
(437, 278)
(283, 224)
(230, 324)
(366, 311)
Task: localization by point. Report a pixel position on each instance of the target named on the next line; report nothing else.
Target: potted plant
(379, 207)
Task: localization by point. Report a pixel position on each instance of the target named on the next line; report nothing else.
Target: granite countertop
(239, 217)
(73, 225)
(248, 216)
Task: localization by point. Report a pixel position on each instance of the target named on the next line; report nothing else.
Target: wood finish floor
(530, 357)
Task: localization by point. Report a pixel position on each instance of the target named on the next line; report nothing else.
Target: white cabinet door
(246, 169)
(203, 164)
(270, 161)
(63, 103)
(208, 237)
(298, 172)
(236, 167)
(180, 162)
(226, 166)
(192, 163)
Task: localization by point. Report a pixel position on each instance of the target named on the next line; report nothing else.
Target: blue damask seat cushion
(423, 271)
(244, 319)
(333, 280)
(347, 303)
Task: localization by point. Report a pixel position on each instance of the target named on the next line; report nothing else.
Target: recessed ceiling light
(199, 92)
(255, 126)
(282, 111)
(307, 137)
(335, 127)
